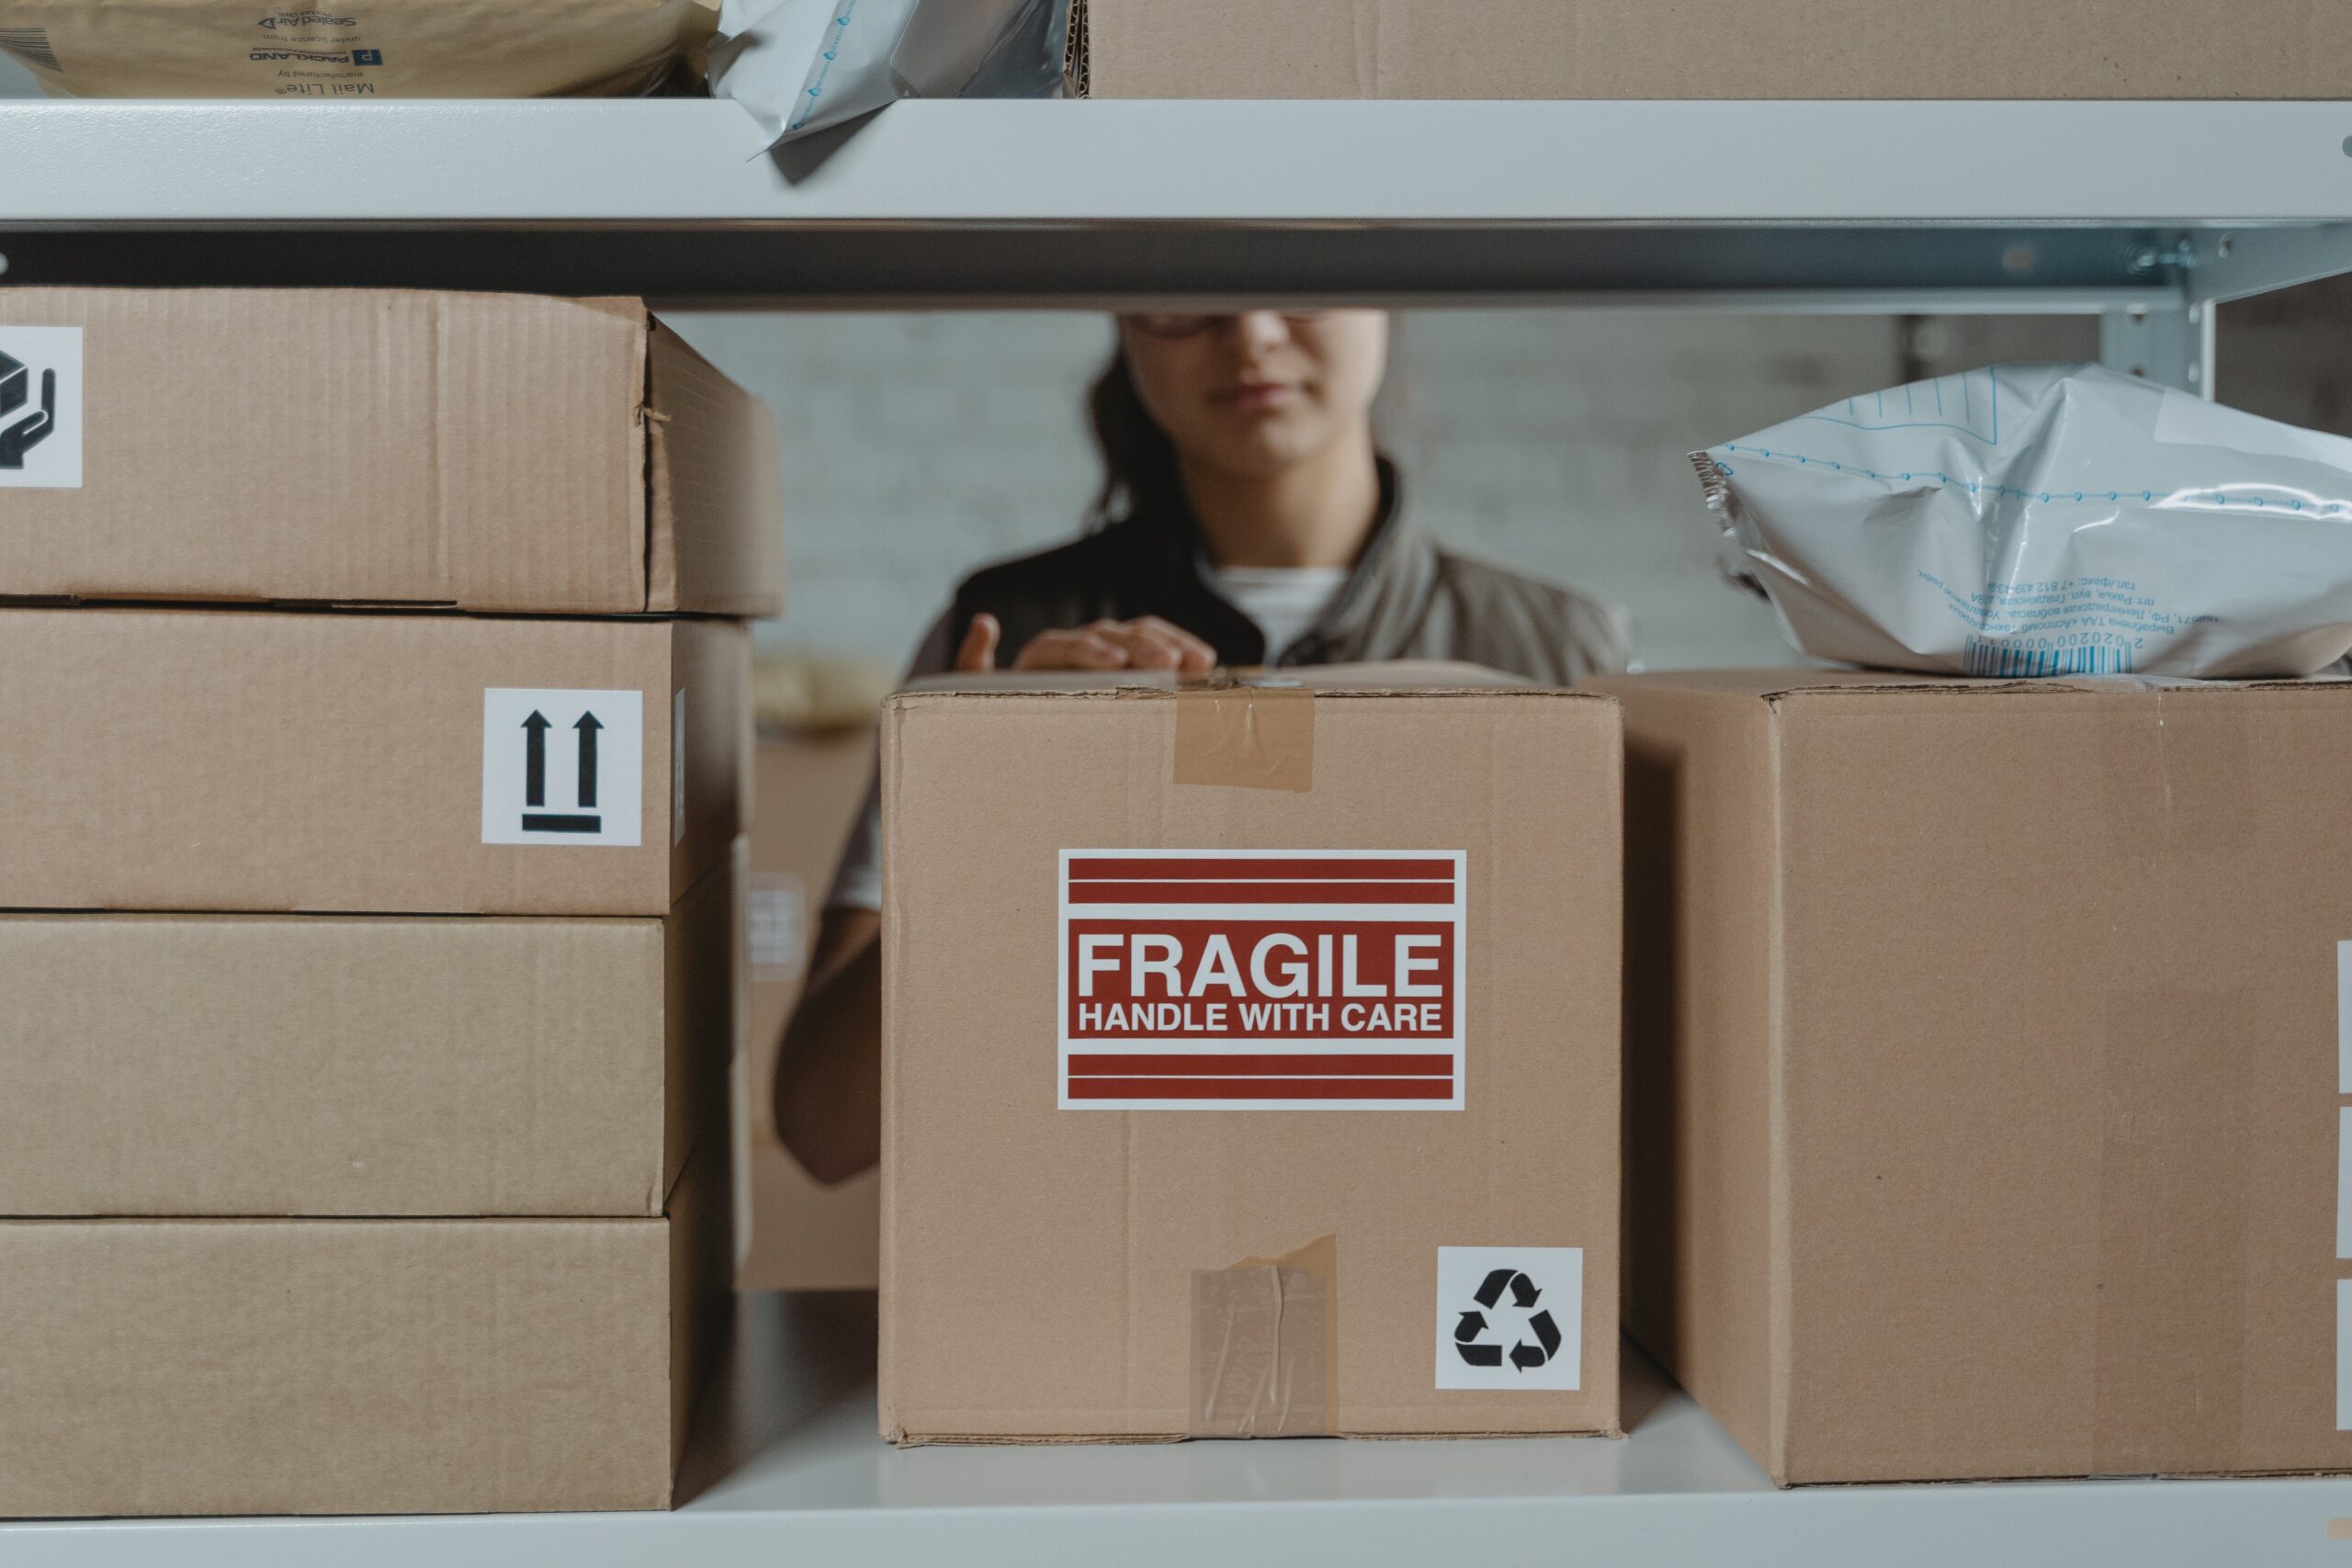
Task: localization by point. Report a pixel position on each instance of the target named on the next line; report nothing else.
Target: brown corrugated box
(322, 1064)
(287, 1365)
(477, 451)
(268, 761)
(417, 49)
(1983, 1080)
(798, 1233)
(1107, 1270)
(1715, 49)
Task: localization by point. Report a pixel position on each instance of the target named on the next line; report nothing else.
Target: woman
(1247, 517)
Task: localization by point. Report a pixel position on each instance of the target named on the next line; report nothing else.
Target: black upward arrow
(588, 725)
(535, 760)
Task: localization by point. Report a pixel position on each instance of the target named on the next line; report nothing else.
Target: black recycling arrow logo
(535, 778)
(1470, 1329)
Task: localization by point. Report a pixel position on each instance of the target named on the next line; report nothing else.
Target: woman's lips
(1258, 397)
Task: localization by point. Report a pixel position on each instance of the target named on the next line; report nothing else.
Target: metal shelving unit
(2145, 215)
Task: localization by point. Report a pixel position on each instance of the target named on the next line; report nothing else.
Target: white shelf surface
(701, 161)
(786, 1469)
(2046, 204)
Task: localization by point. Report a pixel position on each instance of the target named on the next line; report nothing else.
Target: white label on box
(562, 767)
(2344, 1018)
(40, 408)
(2344, 1181)
(1510, 1317)
(1262, 980)
(2343, 1355)
(678, 766)
(774, 914)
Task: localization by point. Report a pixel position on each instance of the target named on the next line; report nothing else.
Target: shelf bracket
(2171, 343)
(2233, 263)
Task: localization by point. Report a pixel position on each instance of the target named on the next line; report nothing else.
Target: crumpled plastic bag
(805, 65)
(2045, 520)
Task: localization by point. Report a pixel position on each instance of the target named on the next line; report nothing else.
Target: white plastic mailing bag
(2046, 520)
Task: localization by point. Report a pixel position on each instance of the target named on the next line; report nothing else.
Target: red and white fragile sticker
(1262, 980)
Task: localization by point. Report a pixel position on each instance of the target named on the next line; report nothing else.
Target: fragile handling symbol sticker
(562, 767)
(1509, 1317)
(40, 408)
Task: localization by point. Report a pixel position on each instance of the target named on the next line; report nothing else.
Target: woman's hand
(1148, 643)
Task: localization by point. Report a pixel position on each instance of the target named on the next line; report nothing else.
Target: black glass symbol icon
(535, 819)
(21, 435)
(1470, 1330)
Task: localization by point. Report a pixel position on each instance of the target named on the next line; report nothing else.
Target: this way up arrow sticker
(521, 793)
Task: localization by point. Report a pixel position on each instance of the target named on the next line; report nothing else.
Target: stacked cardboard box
(1710, 48)
(1988, 1053)
(372, 970)
(1252, 1070)
(794, 1231)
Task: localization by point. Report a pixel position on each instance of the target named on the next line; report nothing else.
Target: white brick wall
(917, 446)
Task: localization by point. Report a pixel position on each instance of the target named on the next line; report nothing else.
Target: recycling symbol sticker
(1509, 1317)
(1470, 1336)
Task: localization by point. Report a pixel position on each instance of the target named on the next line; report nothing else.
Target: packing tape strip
(2168, 1315)
(1246, 737)
(2177, 780)
(2169, 1370)
(1266, 1345)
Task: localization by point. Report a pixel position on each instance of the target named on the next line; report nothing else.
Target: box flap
(714, 491)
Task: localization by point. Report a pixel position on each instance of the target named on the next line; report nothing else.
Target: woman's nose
(1256, 330)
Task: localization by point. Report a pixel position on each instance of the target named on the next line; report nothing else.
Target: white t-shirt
(1284, 600)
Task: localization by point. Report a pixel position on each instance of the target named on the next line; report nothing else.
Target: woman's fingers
(1076, 648)
(1147, 649)
(978, 652)
(1148, 643)
(1193, 654)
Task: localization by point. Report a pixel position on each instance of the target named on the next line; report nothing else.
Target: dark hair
(1139, 459)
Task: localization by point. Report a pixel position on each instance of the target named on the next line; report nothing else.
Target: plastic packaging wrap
(804, 65)
(373, 48)
(2046, 520)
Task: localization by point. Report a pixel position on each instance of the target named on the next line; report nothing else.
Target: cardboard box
(264, 761)
(1713, 48)
(278, 1366)
(316, 1064)
(371, 446)
(1360, 1175)
(1984, 1079)
(797, 1233)
(419, 49)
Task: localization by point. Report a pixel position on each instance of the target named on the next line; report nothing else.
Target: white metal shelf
(786, 1469)
(1876, 206)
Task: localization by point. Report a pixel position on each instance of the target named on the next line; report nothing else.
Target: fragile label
(562, 767)
(1262, 980)
(1510, 1317)
(40, 408)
